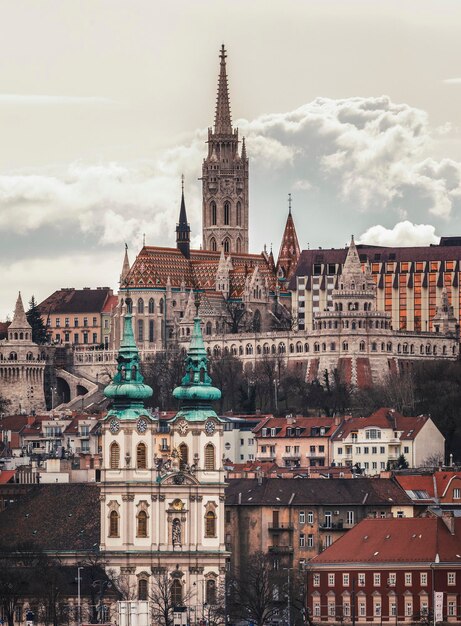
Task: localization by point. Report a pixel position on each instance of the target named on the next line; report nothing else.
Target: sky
(353, 107)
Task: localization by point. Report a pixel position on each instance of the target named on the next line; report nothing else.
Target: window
(362, 608)
(226, 245)
(316, 580)
(331, 607)
(66, 322)
(213, 244)
(392, 607)
(210, 524)
(211, 591)
(176, 593)
(361, 580)
(58, 322)
(408, 578)
(76, 322)
(423, 579)
(316, 608)
(366, 450)
(213, 213)
(408, 607)
(302, 540)
(226, 213)
(451, 578)
(142, 524)
(340, 451)
(350, 518)
(328, 541)
(239, 214)
(451, 608)
(391, 579)
(209, 457)
(114, 455)
(406, 450)
(113, 524)
(302, 517)
(374, 450)
(327, 521)
(345, 580)
(382, 450)
(141, 456)
(142, 589)
(151, 306)
(376, 579)
(140, 330)
(331, 580)
(400, 514)
(85, 322)
(310, 517)
(310, 541)
(456, 494)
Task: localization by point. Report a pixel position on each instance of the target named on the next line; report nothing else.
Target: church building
(162, 489)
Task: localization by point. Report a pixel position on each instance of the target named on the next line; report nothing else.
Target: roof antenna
(289, 204)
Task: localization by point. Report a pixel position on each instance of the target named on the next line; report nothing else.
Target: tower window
(151, 331)
(183, 455)
(227, 213)
(213, 244)
(141, 456)
(151, 306)
(213, 213)
(226, 245)
(239, 245)
(211, 591)
(140, 330)
(239, 213)
(209, 457)
(176, 593)
(113, 524)
(140, 305)
(142, 589)
(114, 456)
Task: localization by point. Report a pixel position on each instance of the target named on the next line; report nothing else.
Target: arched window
(226, 245)
(160, 306)
(208, 328)
(151, 331)
(345, 346)
(239, 213)
(142, 524)
(114, 455)
(209, 457)
(210, 524)
(226, 213)
(249, 349)
(362, 346)
(151, 306)
(140, 330)
(140, 305)
(238, 245)
(211, 591)
(213, 244)
(176, 593)
(213, 213)
(142, 589)
(183, 455)
(113, 524)
(141, 456)
(316, 347)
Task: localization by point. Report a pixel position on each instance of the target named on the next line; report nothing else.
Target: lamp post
(79, 606)
(288, 569)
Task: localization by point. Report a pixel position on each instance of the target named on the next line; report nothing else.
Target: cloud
(452, 81)
(35, 99)
(403, 234)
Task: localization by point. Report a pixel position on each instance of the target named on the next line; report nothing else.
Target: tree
(39, 331)
(14, 584)
(402, 463)
(163, 597)
(4, 404)
(226, 372)
(237, 316)
(254, 592)
(163, 374)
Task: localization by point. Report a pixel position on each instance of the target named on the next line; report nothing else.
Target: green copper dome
(127, 389)
(196, 392)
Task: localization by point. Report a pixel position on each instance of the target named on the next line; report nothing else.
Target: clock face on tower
(210, 427)
(141, 425)
(182, 427)
(114, 426)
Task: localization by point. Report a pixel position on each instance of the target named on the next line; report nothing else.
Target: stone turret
(289, 248)
(183, 228)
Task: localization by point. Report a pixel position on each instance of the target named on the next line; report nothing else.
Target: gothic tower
(183, 228)
(225, 179)
(289, 248)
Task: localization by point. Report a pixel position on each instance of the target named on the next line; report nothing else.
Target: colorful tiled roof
(154, 266)
(396, 540)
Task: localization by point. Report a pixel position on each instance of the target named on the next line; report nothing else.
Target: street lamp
(79, 607)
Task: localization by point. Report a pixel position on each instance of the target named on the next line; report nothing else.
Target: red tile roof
(75, 301)
(443, 480)
(305, 424)
(6, 476)
(384, 418)
(417, 483)
(154, 266)
(110, 304)
(396, 540)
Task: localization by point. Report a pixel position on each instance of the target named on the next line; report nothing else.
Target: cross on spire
(289, 203)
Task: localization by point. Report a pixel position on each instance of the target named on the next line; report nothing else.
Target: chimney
(337, 420)
(289, 418)
(449, 521)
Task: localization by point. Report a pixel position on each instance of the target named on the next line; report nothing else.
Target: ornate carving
(127, 569)
(154, 498)
(222, 498)
(128, 497)
(196, 570)
(161, 498)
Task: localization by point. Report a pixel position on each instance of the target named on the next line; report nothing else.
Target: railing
(281, 549)
(332, 526)
(280, 526)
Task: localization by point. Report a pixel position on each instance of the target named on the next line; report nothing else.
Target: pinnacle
(223, 121)
(19, 317)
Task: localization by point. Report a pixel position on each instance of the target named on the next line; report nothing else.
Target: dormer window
(264, 432)
(273, 432)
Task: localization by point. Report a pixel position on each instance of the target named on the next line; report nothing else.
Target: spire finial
(289, 204)
(223, 122)
(182, 184)
(143, 240)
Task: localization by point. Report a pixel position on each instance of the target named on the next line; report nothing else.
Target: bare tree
(163, 596)
(237, 316)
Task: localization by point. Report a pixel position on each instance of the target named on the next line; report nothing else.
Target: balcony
(266, 456)
(164, 447)
(291, 455)
(315, 455)
(281, 549)
(333, 526)
(280, 527)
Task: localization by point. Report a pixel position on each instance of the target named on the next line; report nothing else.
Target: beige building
(376, 442)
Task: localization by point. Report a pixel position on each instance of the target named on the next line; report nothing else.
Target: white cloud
(403, 234)
(452, 81)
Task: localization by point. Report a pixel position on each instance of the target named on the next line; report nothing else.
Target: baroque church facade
(162, 489)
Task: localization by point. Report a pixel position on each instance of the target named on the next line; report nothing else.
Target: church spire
(127, 389)
(182, 227)
(196, 393)
(289, 248)
(222, 120)
(125, 267)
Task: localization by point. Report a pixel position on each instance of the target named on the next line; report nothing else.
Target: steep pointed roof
(183, 228)
(289, 248)
(19, 318)
(223, 121)
(127, 389)
(125, 266)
